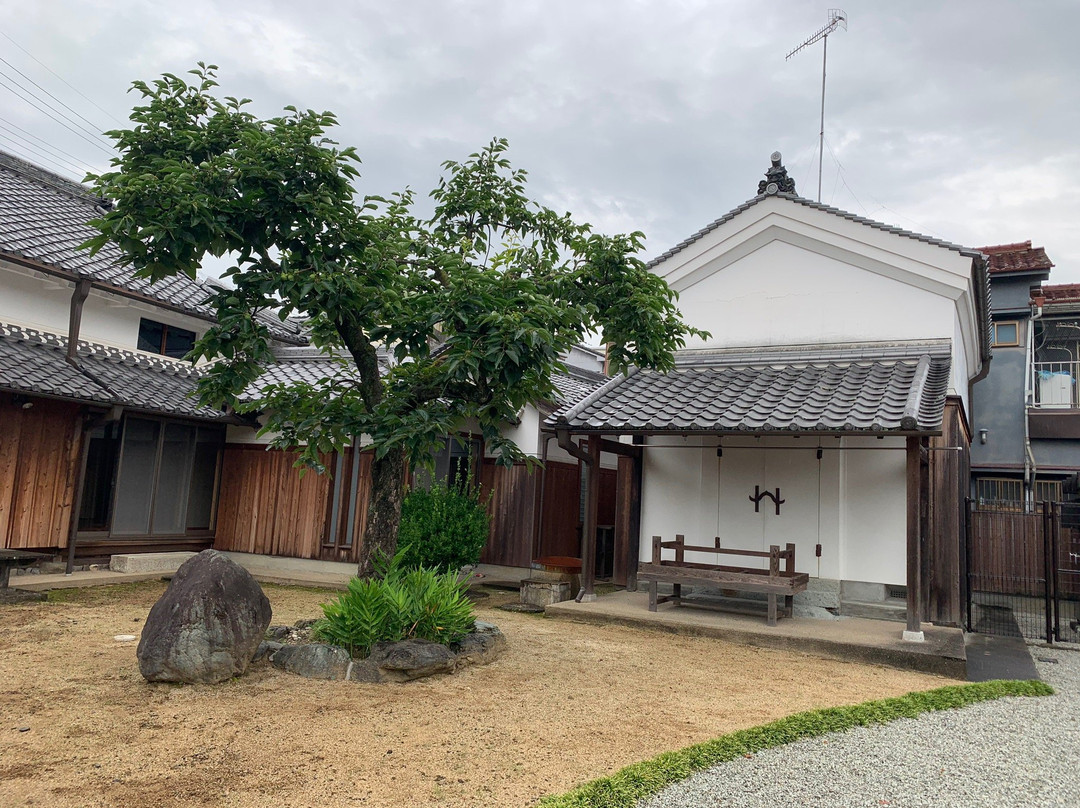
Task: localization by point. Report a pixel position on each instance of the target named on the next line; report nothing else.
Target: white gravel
(1008, 753)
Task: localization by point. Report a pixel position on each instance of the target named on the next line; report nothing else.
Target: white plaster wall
(526, 433)
(873, 528)
(782, 294)
(38, 303)
(851, 503)
(44, 303)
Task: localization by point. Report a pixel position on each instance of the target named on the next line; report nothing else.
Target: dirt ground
(566, 703)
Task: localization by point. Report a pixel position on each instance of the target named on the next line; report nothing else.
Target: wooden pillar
(592, 509)
(914, 541)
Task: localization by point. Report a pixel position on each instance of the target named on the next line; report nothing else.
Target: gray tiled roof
(310, 365)
(867, 388)
(809, 203)
(34, 362)
(44, 218)
(575, 384)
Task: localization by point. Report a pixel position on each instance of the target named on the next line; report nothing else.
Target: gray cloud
(955, 119)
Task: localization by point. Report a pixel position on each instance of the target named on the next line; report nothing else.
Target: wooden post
(592, 508)
(914, 542)
(789, 570)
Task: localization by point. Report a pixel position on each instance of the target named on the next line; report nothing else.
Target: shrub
(444, 528)
(401, 604)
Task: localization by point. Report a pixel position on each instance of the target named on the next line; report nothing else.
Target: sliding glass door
(166, 480)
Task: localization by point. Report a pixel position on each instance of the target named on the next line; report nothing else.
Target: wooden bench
(15, 558)
(678, 571)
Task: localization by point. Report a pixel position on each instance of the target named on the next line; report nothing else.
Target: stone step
(892, 609)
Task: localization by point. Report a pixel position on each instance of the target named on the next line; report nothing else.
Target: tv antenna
(837, 19)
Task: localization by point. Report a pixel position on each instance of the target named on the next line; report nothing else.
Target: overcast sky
(955, 119)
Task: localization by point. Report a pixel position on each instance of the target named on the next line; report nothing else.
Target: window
(1005, 494)
(454, 464)
(168, 340)
(165, 478)
(1007, 334)
(999, 494)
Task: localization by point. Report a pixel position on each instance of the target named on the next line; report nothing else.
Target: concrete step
(892, 609)
(148, 562)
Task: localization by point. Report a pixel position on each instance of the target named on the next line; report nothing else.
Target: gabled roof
(871, 388)
(851, 217)
(43, 220)
(1018, 257)
(35, 362)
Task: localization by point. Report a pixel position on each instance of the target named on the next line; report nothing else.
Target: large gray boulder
(207, 625)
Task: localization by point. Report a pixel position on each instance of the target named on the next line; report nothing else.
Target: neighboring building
(1026, 414)
(836, 380)
(112, 431)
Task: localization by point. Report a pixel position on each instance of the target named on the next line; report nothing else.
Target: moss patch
(640, 780)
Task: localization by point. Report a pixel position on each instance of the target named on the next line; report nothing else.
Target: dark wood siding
(949, 475)
(266, 506)
(560, 522)
(513, 494)
(39, 455)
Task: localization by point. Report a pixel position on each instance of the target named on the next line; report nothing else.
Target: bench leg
(652, 596)
(789, 606)
(772, 609)
(676, 593)
(5, 571)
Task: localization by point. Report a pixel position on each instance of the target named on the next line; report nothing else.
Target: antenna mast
(837, 19)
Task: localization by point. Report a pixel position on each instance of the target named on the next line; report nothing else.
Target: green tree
(502, 285)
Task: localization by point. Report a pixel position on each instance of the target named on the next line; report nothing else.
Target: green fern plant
(399, 604)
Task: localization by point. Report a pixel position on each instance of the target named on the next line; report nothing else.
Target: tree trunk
(384, 510)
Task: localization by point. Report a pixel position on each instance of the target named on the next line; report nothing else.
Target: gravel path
(1009, 753)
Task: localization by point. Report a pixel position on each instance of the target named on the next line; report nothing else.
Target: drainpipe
(587, 459)
(1030, 468)
(78, 298)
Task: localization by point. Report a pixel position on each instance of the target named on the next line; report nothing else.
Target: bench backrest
(681, 548)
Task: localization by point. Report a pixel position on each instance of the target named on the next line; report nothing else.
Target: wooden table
(15, 558)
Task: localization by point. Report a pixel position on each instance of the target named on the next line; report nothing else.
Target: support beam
(914, 632)
(588, 538)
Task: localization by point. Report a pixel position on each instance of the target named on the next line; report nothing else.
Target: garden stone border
(401, 661)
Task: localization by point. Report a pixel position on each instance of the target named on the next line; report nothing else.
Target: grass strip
(639, 780)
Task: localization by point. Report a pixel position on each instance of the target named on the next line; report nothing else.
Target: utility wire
(74, 129)
(8, 135)
(63, 172)
(61, 78)
(91, 124)
(27, 135)
(94, 131)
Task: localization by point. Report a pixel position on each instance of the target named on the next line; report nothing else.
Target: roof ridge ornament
(776, 178)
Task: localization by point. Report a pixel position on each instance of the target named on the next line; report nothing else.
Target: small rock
(411, 659)
(306, 623)
(24, 729)
(480, 646)
(315, 660)
(125, 637)
(278, 633)
(266, 650)
(1051, 660)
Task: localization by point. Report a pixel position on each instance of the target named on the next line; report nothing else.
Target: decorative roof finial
(776, 179)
